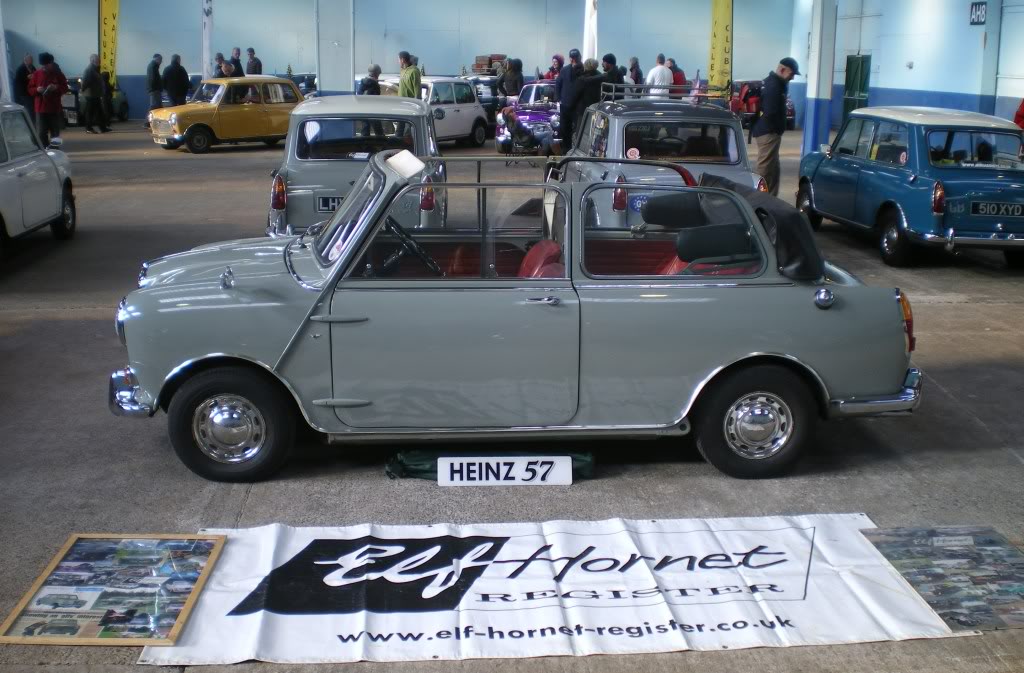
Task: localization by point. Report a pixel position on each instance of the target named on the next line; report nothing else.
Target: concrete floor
(69, 466)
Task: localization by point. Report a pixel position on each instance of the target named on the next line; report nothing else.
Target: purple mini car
(537, 106)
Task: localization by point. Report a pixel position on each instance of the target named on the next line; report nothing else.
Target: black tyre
(270, 142)
(63, 227)
(171, 146)
(199, 140)
(893, 245)
(756, 422)
(231, 424)
(804, 205)
(479, 135)
(1014, 258)
(122, 112)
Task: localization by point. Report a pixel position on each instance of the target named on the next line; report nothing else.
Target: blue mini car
(920, 176)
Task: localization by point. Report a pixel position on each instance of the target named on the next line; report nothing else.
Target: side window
(464, 94)
(442, 94)
(441, 233)
(847, 142)
(867, 133)
(599, 136)
(279, 93)
(342, 138)
(3, 147)
(689, 235)
(242, 94)
(584, 133)
(21, 140)
(891, 144)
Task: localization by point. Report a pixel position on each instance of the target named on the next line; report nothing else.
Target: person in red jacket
(678, 78)
(47, 85)
(1018, 118)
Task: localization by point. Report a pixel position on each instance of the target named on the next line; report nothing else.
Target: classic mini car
(458, 114)
(35, 183)
(513, 319)
(227, 110)
(745, 103)
(59, 627)
(61, 601)
(487, 93)
(330, 139)
(537, 107)
(74, 115)
(178, 586)
(921, 177)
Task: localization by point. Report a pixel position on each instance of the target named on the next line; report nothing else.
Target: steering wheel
(413, 246)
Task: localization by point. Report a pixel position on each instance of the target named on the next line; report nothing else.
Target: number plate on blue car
(992, 209)
(637, 202)
(504, 471)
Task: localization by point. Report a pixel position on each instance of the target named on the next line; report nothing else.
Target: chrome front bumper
(121, 395)
(993, 241)
(904, 401)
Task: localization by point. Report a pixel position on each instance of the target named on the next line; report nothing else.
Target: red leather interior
(626, 257)
(465, 259)
(556, 270)
(543, 253)
(672, 266)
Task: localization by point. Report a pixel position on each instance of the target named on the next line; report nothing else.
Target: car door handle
(547, 301)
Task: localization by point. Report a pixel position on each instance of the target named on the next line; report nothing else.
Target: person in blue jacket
(771, 124)
(565, 89)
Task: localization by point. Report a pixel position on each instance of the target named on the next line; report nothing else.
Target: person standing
(253, 66)
(176, 81)
(635, 73)
(409, 82)
(108, 99)
(22, 96)
(678, 78)
(510, 83)
(47, 85)
(588, 91)
(557, 61)
(613, 75)
(154, 85)
(565, 90)
(92, 96)
(218, 65)
(370, 85)
(1018, 118)
(771, 124)
(659, 78)
(236, 60)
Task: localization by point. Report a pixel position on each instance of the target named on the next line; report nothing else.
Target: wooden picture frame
(24, 605)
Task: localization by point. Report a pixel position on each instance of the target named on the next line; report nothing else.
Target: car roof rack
(694, 94)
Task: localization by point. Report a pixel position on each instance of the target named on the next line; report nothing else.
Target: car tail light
(278, 194)
(908, 320)
(427, 195)
(619, 196)
(938, 198)
(762, 186)
(686, 175)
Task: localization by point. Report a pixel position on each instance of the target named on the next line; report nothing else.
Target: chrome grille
(161, 127)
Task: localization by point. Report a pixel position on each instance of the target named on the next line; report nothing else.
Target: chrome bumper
(276, 225)
(904, 401)
(994, 241)
(121, 393)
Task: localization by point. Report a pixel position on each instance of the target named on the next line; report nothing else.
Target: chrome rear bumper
(904, 401)
(121, 395)
(993, 241)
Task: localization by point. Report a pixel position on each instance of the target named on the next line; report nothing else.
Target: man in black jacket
(91, 93)
(565, 89)
(21, 94)
(176, 81)
(154, 85)
(770, 126)
(612, 74)
(236, 60)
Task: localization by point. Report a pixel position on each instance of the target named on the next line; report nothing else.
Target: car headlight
(173, 119)
(149, 117)
(555, 119)
(500, 119)
(122, 315)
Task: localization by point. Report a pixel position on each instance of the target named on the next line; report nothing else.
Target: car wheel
(63, 227)
(803, 204)
(1014, 259)
(893, 245)
(231, 424)
(756, 422)
(479, 135)
(122, 112)
(199, 141)
(171, 146)
(270, 142)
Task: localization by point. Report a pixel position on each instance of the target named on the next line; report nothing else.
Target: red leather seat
(542, 254)
(556, 270)
(672, 266)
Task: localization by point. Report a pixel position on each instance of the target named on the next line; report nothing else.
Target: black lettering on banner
(493, 471)
(508, 471)
(455, 469)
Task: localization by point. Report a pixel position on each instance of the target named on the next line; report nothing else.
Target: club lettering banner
(109, 11)
(400, 593)
(720, 59)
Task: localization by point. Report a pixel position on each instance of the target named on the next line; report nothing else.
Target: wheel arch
(815, 384)
(201, 125)
(887, 206)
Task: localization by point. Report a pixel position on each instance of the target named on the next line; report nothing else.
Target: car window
(464, 94)
(891, 143)
(21, 140)
(636, 232)
(599, 136)
(583, 134)
(441, 233)
(3, 147)
(442, 94)
(847, 141)
(690, 141)
(867, 133)
(536, 94)
(242, 94)
(353, 138)
(207, 93)
(331, 241)
(279, 93)
(976, 149)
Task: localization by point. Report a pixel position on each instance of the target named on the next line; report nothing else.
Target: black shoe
(89, 129)
(106, 130)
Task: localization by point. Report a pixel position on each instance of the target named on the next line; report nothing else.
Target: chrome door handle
(549, 301)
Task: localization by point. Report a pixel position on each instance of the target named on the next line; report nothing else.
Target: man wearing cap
(565, 89)
(47, 85)
(771, 124)
(154, 85)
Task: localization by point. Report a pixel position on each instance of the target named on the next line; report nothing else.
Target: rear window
(279, 93)
(681, 141)
(975, 149)
(353, 138)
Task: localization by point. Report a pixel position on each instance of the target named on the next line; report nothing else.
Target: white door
(442, 105)
(37, 175)
(468, 109)
(10, 191)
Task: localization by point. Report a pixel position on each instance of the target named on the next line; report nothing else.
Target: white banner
(400, 593)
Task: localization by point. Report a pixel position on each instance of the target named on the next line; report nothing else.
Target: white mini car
(35, 183)
(458, 114)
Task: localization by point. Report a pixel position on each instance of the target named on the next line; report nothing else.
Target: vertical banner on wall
(109, 11)
(590, 29)
(207, 38)
(720, 60)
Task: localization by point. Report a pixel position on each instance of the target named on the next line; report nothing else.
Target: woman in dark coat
(588, 90)
(510, 83)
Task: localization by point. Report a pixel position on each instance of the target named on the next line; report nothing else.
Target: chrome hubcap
(69, 216)
(758, 425)
(890, 239)
(229, 429)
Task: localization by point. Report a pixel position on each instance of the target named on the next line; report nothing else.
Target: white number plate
(504, 471)
(328, 204)
(997, 209)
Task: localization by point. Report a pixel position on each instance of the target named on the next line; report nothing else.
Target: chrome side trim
(121, 391)
(455, 434)
(905, 401)
(338, 319)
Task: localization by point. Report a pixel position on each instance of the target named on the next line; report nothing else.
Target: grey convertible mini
(715, 316)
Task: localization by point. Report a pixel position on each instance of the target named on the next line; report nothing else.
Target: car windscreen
(671, 140)
(332, 238)
(347, 138)
(976, 149)
(536, 94)
(207, 93)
